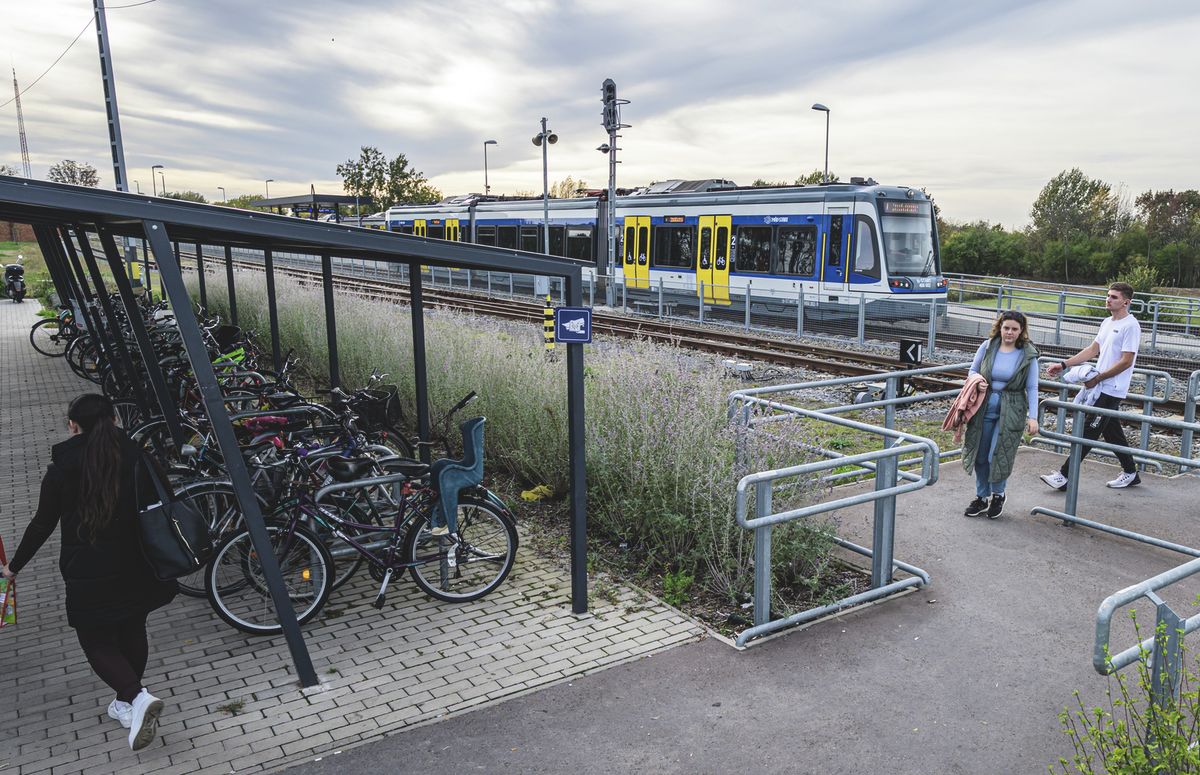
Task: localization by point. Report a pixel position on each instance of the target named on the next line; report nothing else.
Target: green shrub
(661, 463)
(1124, 736)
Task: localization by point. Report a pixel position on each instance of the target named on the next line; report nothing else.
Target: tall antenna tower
(21, 128)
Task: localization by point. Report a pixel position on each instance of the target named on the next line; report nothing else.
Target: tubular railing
(883, 462)
(1077, 443)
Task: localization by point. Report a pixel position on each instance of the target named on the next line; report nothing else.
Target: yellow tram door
(636, 261)
(419, 227)
(453, 234)
(712, 267)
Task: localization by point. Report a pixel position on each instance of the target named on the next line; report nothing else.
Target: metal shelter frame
(69, 220)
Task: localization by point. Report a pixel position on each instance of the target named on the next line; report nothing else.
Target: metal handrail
(1102, 660)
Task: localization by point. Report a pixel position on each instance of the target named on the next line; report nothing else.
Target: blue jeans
(983, 461)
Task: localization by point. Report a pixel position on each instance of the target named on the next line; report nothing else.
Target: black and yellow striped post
(549, 327)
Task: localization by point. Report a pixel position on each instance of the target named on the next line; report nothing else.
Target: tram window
(437, 232)
(643, 245)
(835, 241)
(722, 262)
(706, 248)
(579, 243)
(797, 250)
(530, 238)
(673, 246)
(630, 245)
(753, 249)
(406, 230)
(485, 235)
(557, 234)
(866, 256)
(506, 237)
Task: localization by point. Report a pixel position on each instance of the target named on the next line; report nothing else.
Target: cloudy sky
(980, 102)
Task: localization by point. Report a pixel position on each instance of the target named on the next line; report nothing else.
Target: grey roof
(314, 198)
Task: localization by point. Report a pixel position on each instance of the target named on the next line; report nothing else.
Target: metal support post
(1058, 319)
(701, 300)
(235, 465)
(91, 308)
(660, 298)
(762, 555)
(272, 310)
(200, 274)
(800, 312)
(335, 379)
(932, 339)
(862, 318)
(233, 318)
(1189, 416)
(1168, 655)
(578, 461)
(1148, 410)
(52, 253)
(1076, 463)
(1154, 328)
(884, 528)
(420, 376)
(746, 320)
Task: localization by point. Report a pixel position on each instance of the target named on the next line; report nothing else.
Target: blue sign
(573, 325)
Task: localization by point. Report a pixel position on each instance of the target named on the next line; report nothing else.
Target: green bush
(1124, 736)
(661, 462)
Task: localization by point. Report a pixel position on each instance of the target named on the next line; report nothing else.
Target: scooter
(14, 282)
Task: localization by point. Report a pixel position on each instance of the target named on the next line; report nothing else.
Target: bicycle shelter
(66, 219)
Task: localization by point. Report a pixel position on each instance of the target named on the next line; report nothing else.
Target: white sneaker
(1055, 480)
(1125, 480)
(440, 530)
(120, 711)
(143, 720)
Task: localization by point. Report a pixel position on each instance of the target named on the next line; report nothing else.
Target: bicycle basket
(226, 337)
(379, 407)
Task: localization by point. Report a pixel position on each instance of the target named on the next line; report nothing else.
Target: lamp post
(818, 106)
(163, 180)
(222, 190)
(153, 182)
(543, 139)
(269, 182)
(486, 187)
(137, 186)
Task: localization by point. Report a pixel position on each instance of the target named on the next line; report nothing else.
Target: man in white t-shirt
(1115, 348)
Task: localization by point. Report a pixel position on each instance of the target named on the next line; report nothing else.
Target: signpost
(573, 325)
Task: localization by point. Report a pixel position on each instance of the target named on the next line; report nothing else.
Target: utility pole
(114, 117)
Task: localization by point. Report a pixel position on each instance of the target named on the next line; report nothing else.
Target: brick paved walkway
(233, 703)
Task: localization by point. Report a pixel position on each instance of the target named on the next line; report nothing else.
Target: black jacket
(107, 580)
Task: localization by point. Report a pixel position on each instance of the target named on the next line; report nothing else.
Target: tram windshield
(908, 242)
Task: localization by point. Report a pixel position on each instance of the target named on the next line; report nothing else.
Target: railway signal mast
(612, 123)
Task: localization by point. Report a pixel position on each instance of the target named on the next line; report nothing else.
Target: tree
(7, 170)
(1073, 205)
(243, 201)
(385, 182)
(187, 196)
(811, 179)
(567, 187)
(75, 173)
(1171, 216)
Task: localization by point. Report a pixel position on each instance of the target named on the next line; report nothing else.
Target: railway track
(755, 346)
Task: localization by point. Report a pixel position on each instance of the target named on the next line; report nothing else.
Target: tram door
(836, 250)
(453, 233)
(419, 227)
(637, 251)
(712, 258)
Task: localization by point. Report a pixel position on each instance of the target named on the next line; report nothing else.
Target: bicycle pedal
(379, 602)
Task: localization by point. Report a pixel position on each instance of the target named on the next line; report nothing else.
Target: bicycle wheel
(83, 357)
(482, 558)
(219, 505)
(237, 587)
(49, 337)
(346, 559)
(129, 414)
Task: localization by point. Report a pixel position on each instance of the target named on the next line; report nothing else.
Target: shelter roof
(314, 198)
(125, 214)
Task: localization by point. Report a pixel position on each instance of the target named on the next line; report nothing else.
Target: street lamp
(486, 187)
(153, 182)
(825, 110)
(543, 139)
(222, 190)
(137, 186)
(269, 182)
(163, 179)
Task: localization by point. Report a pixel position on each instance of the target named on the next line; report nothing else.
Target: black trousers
(1110, 428)
(118, 651)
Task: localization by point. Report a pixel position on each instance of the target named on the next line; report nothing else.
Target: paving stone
(417, 660)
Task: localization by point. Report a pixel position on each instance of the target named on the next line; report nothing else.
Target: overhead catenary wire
(68, 48)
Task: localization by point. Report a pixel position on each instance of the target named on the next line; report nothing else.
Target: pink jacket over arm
(966, 404)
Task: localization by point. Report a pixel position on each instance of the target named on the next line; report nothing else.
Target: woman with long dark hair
(90, 491)
(1008, 361)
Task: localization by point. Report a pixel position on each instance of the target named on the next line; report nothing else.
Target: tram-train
(827, 245)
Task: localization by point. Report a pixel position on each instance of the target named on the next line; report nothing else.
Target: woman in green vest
(1008, 361)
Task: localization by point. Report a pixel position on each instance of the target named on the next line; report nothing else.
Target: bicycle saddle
(344, 469)
(413, 469)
